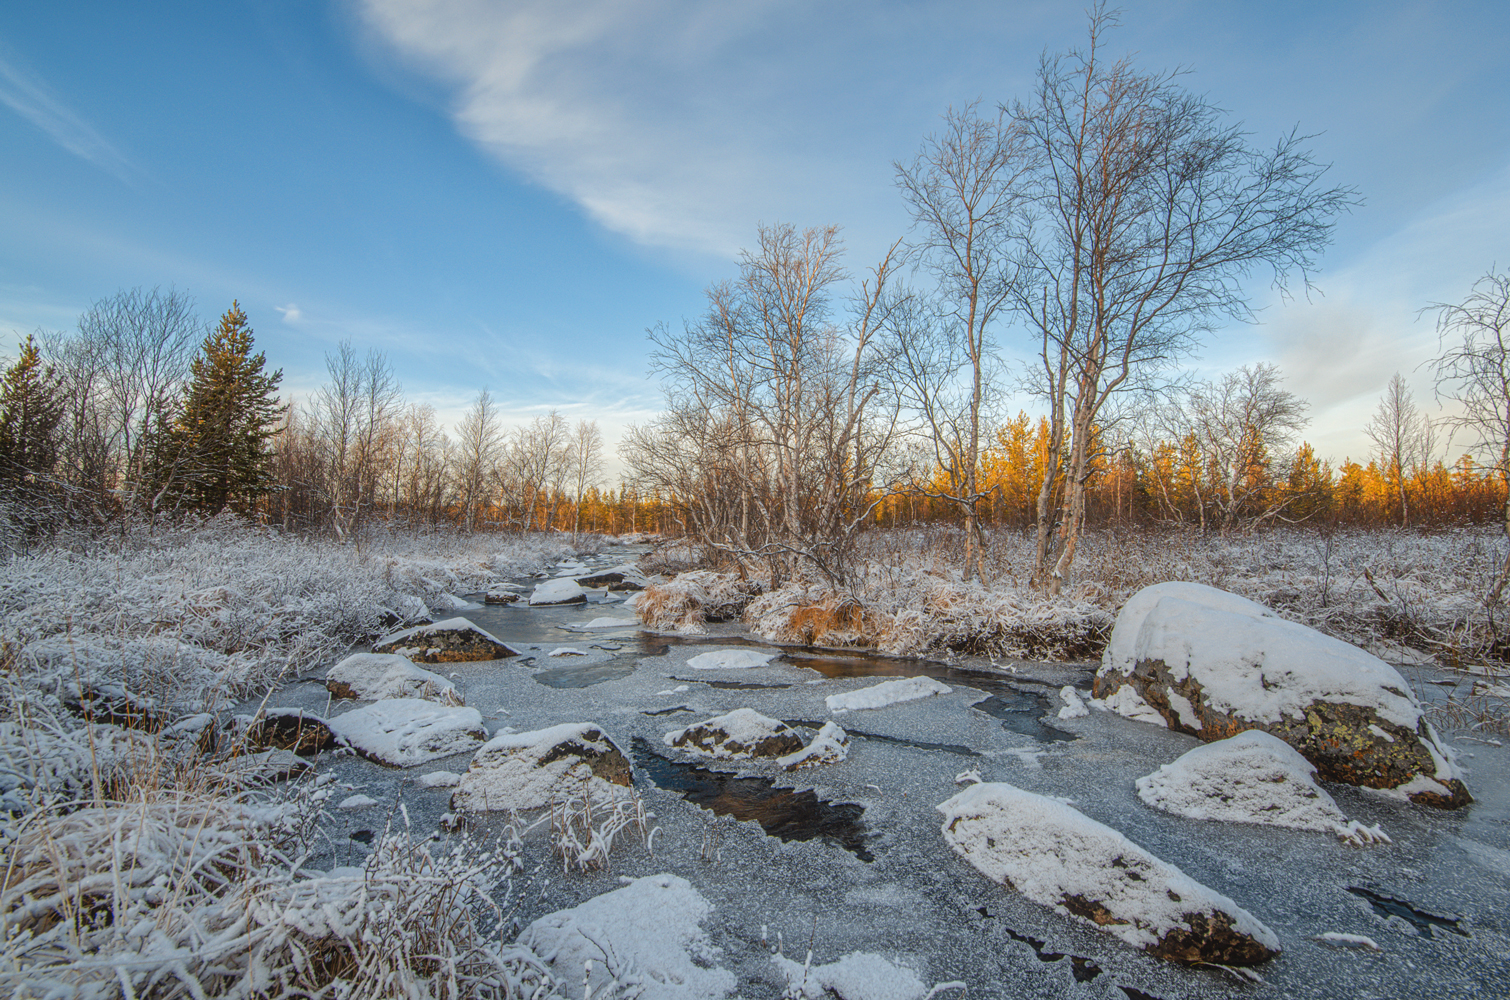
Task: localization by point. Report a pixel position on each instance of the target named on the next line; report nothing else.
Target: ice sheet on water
(733, 658)
(886, 693)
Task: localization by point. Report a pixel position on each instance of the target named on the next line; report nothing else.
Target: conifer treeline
(1178, 483)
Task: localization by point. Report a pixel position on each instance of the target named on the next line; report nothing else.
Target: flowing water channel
(848, 857)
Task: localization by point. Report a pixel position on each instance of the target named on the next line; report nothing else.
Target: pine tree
(217, 453)
(30, 410)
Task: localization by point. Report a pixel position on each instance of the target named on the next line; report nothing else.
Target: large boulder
(454, 640)
(403, 732)
(1062, 859)
(739, 734)
(1212, 664)
(1251, 778)
(517, 771)
(376, 676)
(561, 591)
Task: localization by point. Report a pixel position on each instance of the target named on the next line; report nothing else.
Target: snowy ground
(1432, 900)
(917, 904)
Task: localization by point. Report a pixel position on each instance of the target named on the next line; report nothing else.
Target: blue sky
(508, 194)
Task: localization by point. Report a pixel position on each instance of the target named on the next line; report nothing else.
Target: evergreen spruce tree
(217, 453)
(30, 410)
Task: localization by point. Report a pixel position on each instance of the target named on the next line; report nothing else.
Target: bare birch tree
(585, 466)
(1402, 435)
(962, 191)
(1473, 370)
(1146, 211)
(478, 439)
(777, 415)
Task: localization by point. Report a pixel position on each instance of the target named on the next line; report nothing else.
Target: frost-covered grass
(906, 595)
(188, 614)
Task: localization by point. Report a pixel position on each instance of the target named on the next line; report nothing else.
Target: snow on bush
(1251, 778)
(162, 879)
(643, 940)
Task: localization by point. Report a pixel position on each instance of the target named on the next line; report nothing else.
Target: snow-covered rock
(500, 594)
(733, 658)
(885, 693)
(357, 801)
(857, 976)
(566, 651)
(291, 729)
(830, 746)
(644, 940)
(1074, 707)
(375, 676)
(518, 771)
(403, 732)
(625, 577)
(1060, 858)
(1213, 664)
(739, 734)
(454, 640)
(560, 591)
(1251, 778)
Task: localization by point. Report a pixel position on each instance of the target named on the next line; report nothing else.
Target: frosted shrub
(583, 827)
(695, 596)
(221, 608)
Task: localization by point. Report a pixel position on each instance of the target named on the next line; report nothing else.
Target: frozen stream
(1434, 900)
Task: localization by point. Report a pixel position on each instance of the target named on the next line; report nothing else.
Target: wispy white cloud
(290, 313)
(656, 118)
(33, 100)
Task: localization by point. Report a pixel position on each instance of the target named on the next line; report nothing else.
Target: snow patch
(644, 940)
(857, 976)
(558, 592)
(1074, 707)
(513, 771)
(829, 746)
(377, 676)
(439, 779)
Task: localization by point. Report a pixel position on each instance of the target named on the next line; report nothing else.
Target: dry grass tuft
(694, 597)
